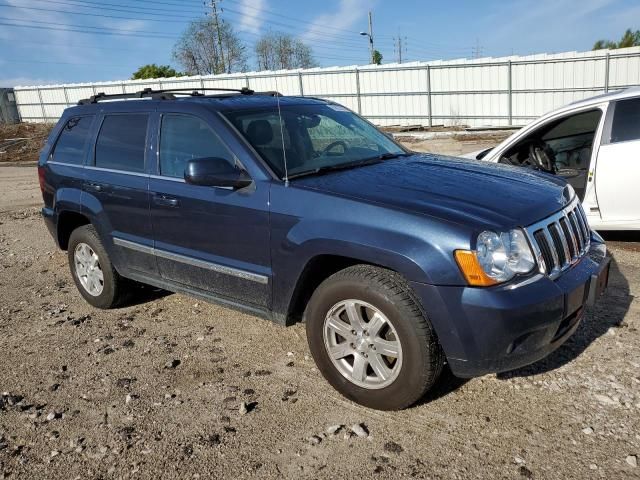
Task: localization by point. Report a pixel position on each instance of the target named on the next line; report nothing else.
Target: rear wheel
(92, 271)
(371, 338)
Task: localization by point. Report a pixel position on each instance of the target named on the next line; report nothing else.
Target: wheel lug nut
(353, 332)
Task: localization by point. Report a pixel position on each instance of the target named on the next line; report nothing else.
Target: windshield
(313, 137)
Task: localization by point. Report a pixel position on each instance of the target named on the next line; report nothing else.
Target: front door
(208, 238)
(617, 176)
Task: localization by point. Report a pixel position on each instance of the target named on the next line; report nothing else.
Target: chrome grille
(560, 240)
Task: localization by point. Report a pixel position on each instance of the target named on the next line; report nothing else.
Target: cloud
(252, 15)
(44, 35)
(25, 81)
(349, 13)
(543, 22)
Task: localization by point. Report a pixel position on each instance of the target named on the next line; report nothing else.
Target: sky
(70, 41)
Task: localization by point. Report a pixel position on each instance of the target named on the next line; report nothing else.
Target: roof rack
(168, 94)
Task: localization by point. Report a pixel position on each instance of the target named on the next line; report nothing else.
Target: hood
(468, 192)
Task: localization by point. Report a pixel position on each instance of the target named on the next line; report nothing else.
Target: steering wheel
(542, 156)
(332, 145)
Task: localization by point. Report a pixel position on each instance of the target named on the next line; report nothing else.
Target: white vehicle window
(562, 147)
(626, 121)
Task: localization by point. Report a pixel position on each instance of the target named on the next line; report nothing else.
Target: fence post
(246, 80)
(607, 59)
(429, 95)
(300, 84)
(358, 91)
(510, 89)
(44, 113)
(66, 96)
(124, 89)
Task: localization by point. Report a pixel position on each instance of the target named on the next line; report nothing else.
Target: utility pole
(399, 46)
(476, 52)
(216, 21)
(371, 36)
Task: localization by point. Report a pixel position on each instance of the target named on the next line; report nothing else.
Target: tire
(85, 247)
(377, 297)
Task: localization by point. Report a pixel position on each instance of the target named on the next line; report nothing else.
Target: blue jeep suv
(296, 208)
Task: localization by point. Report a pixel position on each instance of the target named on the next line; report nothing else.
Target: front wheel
(371, 339)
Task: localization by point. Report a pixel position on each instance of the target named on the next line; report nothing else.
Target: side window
(121, 142)
(565, 143)
(183, 138)
(626, 121)
(72, 141)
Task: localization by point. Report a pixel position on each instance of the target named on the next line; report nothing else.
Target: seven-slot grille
(560, 240)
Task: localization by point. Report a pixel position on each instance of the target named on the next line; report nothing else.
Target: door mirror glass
(215, 172)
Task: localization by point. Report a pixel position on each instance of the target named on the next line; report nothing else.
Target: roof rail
(166, 94)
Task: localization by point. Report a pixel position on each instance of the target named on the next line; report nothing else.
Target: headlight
(498, 258)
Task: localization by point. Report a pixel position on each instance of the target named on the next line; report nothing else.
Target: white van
(595, 145)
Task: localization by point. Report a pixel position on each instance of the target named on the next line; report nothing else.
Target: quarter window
(626, 121)
(72, 141)
(183, 138)
(121, 142)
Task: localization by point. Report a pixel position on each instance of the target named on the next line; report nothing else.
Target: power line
(77, 4)
(57, 28)
(99, 6)
(9, 61)
(68, 45)
(89, 14)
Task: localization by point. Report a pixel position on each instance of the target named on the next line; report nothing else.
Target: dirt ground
(22, 142)
(155, 389)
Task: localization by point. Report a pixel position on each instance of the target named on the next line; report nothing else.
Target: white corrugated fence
(489, 91)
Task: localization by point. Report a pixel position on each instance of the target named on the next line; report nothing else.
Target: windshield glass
(314, 137)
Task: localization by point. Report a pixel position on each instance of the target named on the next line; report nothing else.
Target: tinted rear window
(121, 142)
(626, 121)
(73, 140)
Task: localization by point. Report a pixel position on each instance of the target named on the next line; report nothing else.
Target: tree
(629, 39)
(198, 50)
(277, 50)
(154, 71)
(377, 57)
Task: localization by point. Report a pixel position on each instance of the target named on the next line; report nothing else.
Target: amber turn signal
(472, 270)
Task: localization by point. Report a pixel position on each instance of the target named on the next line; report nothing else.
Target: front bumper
(489, 330)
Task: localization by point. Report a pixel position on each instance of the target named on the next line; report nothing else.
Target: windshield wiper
(346, 166)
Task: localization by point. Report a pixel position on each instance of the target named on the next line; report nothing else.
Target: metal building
(8, 106)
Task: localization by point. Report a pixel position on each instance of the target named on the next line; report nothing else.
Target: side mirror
(215, 172)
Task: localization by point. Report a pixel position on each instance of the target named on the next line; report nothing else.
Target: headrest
(260, 132)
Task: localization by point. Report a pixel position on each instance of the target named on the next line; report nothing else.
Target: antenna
(284, 151)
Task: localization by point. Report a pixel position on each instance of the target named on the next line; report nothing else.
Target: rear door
(617, 176)
(65, 163)
(208, 238)
(117, 189)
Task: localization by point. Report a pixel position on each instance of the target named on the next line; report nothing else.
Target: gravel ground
(176, 388)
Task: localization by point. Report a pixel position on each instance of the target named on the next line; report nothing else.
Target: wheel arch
(316, 270)
(68, 221)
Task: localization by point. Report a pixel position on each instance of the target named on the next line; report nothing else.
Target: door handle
(96, 187)
(165, 201)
